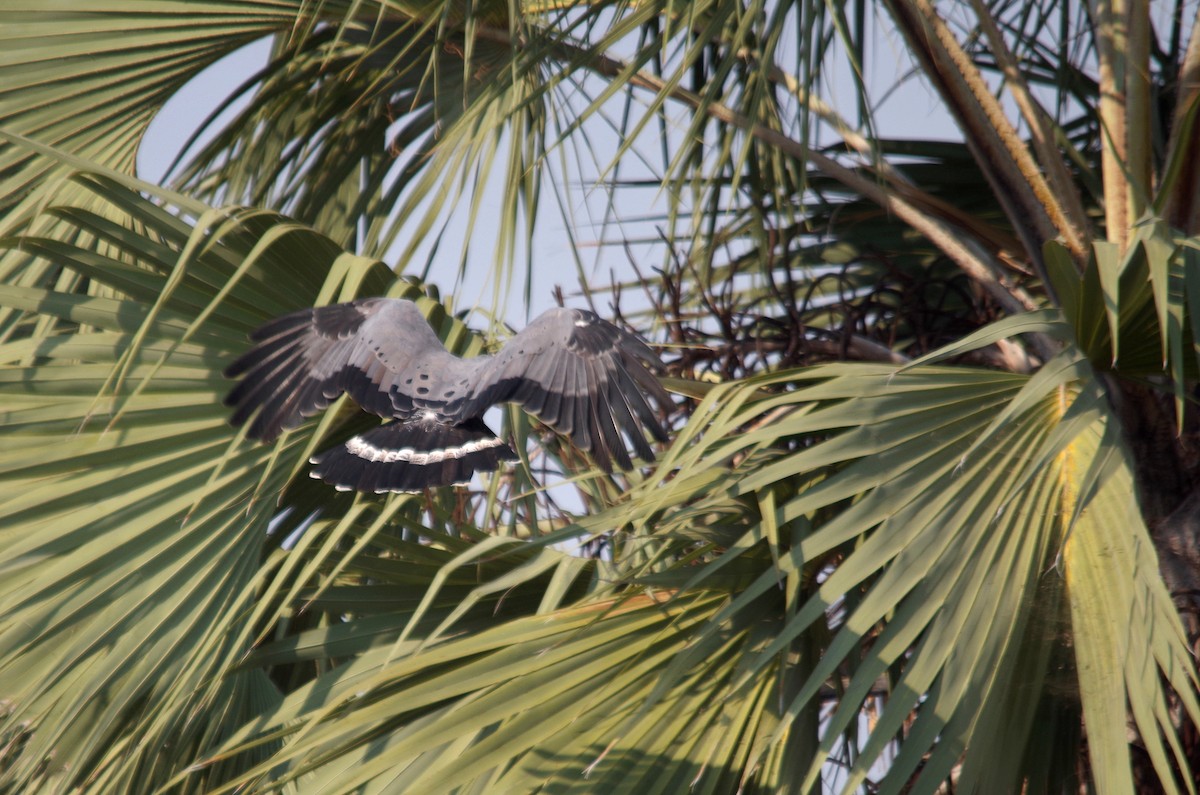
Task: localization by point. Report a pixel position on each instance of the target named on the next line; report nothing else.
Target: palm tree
(925, 524)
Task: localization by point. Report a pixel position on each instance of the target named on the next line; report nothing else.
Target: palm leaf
(932, 546)
(912, 546)
(150, 591)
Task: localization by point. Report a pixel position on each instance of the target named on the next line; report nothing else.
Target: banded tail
(412, 456)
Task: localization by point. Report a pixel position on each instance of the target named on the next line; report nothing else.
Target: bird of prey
(579, 374)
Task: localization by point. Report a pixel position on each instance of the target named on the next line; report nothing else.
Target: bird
(584, 377)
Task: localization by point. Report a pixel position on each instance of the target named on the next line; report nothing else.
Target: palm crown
(942, 396)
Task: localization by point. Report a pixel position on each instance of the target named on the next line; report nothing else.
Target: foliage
(941, 564)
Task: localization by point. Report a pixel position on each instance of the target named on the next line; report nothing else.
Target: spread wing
(582, 376)
(375, 349)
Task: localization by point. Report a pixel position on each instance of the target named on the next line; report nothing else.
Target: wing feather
(606, 417)
(635, 399)
(625, 421)
(580, 432)
(372, 349)
(601, 440)
(582, 376)
(551, 411)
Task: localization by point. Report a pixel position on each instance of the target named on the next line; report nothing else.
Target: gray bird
(579, 374)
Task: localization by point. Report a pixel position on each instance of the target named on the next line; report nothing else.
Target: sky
(912, 110)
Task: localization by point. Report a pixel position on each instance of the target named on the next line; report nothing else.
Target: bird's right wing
(303, 361)
(582, 376)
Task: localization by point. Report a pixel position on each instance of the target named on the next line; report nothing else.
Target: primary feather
(579, 374)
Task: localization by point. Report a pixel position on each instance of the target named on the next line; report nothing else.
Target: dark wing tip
(610, 413)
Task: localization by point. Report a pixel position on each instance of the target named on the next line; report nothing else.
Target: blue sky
(912, 110)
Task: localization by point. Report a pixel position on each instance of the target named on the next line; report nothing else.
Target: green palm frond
(371, 119)
(90, 83)
(350, 87)
(934, 553)
(149, 590)
(915, 570)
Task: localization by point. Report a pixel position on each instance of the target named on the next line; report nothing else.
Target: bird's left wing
(379, 350)
(585, 378)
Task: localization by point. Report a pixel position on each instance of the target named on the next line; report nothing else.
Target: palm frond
(149, 591)
(928, 538)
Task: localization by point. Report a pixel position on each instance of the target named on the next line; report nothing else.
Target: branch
(1008, 248)
(977, 264)
(1180, 193)
(1001, 154)
(980, 268)
(1073, 223)
(1123, 52)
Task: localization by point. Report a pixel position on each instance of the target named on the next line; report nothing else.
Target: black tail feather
(412, 456)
